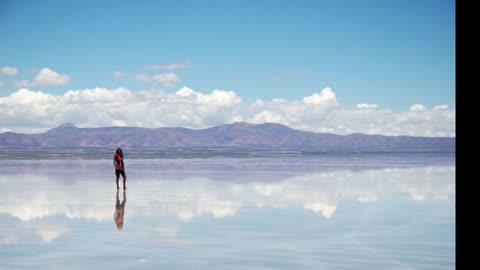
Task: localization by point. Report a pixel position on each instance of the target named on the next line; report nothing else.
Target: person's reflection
(120, 211)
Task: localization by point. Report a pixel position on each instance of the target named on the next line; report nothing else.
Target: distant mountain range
(237, 136)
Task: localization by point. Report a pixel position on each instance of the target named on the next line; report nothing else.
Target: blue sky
(319, 56)
(391, 53)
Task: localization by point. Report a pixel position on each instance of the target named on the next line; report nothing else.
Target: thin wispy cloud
(32, 70)
(119, 74)
(171, 66)
(440, 107)
(302, 73)
(366, 106)
(10, 71)
(137, 77)
(167, 79)
(142, 78)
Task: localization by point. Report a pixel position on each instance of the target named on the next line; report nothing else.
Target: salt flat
(329, 212)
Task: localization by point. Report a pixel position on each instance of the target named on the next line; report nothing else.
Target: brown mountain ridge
(244, 136)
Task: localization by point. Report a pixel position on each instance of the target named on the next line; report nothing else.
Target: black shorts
(120, 172)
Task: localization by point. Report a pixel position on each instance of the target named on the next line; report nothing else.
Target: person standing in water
(119, 167)
(119, 211)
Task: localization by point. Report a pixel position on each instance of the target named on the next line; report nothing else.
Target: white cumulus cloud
(46, 77)
(269, 117)
(10, 71)
(417, 108)
(326, 96)
(33, 111)
(217, 97)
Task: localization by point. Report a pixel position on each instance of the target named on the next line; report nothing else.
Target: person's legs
(124, 180)
(117, 175)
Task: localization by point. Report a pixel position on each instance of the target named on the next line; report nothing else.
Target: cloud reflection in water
(35, 197)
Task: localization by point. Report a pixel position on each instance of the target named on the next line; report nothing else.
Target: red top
(118, 161)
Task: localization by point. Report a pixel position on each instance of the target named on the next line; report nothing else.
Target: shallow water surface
(251, 213)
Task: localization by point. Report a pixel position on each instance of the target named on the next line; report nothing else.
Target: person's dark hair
(119, 151)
